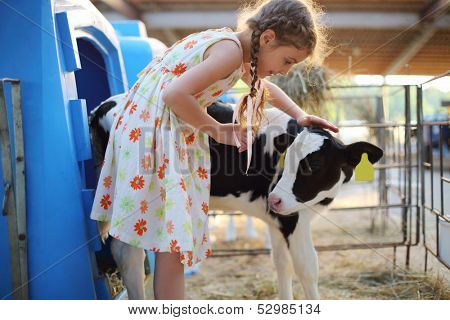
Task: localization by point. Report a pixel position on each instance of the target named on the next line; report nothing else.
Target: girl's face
(277, 59)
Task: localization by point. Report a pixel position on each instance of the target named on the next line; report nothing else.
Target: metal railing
(429, 206)
(397, 140)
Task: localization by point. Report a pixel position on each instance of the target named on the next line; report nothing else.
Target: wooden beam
(429, 14)
(346, 19)
(434, 10)
(125, 8)
(411, 50)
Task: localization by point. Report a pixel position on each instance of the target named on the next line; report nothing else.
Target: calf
(295, 173)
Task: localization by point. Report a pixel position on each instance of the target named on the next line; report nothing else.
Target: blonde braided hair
(295, 22)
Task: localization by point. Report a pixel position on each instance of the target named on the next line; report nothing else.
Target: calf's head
(315, 166)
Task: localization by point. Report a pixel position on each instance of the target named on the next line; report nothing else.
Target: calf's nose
(275, 202)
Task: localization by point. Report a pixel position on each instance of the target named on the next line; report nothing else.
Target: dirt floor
(343, 275)
(353, 274)
(350, 274)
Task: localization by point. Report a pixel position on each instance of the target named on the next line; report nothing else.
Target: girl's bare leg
(168, 281)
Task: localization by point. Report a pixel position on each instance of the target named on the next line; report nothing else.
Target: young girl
(154, 183)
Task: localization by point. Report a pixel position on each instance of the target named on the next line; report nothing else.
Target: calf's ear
(354, 151)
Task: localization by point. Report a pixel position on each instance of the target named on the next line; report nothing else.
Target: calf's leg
(283, 264)
(304, 257)
(130, 261)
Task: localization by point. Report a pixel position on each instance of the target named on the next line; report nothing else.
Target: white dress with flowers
(155, 179)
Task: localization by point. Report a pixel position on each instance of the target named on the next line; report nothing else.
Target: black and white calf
(294, 174)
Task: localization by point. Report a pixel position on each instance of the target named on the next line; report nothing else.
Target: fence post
(14, 202)
(407, 210)
(381, 141)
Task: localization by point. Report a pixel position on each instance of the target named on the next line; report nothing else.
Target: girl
(154, 183)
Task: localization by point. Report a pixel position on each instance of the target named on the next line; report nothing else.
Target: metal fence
(433, 199)
(396, 215)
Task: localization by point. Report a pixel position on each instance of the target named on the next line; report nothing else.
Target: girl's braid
(254, 60)
(293, 23)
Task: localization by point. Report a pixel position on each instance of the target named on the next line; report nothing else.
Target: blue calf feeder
(68, 58)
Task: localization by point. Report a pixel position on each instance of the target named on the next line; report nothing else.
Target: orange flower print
(204, 239)
(206, 37)
(144, 206)
(185, 131)
(105, 202)
(155, 249)
(190, 44)
(145, 115)
(119, 122)
(163, 85)
(107, 182)
(133, 108)
(140, 227)
(181, 153)
(145, 162)
(162, 194)
(124, 127)
(190, 138)
(127, 105)
(189, 262)
(136, 85)
(169, 227)
(208, 253)
(137, 183)
(183, 186)
(157, 121)
(174, 247)
(188, 204)
(161, 173)
(202, 173)
(195, 241)
(179, 69)
(165, 70)
(205, 207)
(217, 93)
(135, 134)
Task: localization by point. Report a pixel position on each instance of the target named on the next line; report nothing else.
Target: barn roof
(368, 36)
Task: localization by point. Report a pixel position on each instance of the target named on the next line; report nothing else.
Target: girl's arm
(278, 98)
(282, 101)
(221, 59)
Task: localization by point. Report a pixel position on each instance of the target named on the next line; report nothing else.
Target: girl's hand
(309, 120)
(224, 135)
(103, 229)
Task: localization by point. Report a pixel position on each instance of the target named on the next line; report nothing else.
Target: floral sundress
(155, 179)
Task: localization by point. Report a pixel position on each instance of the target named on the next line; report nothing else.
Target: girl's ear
(266, 37)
